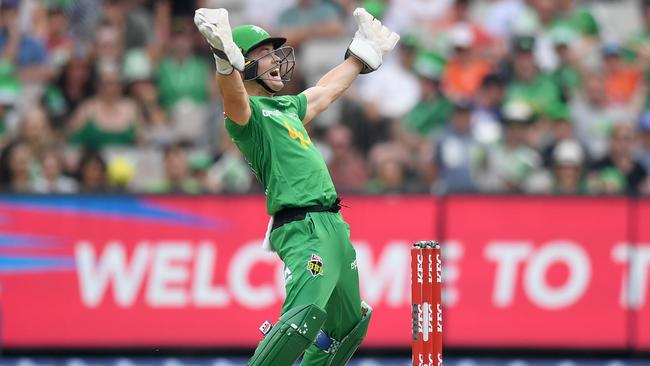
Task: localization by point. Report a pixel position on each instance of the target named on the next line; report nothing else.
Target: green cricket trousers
(321, 269)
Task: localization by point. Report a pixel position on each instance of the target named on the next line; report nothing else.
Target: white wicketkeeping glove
(371, 41)
(215, 27)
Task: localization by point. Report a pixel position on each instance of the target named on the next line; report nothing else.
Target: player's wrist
(356, 62)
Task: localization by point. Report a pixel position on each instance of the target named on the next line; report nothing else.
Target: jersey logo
(268, 113)
(315, 265)
(305, 141)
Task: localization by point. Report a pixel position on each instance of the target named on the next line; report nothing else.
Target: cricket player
(323, 315)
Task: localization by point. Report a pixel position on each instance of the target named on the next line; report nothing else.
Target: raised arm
(235, 97)
(331, 86)
(215, 27)
(370, 43)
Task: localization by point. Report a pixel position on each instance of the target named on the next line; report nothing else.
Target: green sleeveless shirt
(282, 155)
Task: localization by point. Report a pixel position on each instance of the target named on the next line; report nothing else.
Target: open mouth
(275, 74)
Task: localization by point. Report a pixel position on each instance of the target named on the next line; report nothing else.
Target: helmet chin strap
(250, 73)
(263, 84)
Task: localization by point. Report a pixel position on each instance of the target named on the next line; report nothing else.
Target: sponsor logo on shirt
(353, 265)
(268, 113)
(305, 140)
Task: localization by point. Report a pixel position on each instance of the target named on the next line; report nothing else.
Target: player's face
(268, 66)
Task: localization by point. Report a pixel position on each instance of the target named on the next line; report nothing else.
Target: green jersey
(541, 93)
(282, 155)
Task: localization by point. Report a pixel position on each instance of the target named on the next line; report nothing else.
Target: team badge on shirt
(315, 265)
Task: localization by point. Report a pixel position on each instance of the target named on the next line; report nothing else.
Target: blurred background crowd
(499, 96)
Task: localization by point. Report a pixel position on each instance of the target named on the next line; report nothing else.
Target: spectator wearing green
(12, 51)
(376, 8)
(560, 129)
(182, 75)
(639, 43)
(109, 117)
(65, 5)
(577, 18)
(433, 109)
(10, 90)
(567, 74)
(543, 18)
(529, 84)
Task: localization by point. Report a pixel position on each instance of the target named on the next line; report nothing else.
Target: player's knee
(287, 340)
(340, 351)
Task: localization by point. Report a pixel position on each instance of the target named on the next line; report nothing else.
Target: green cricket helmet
(248, 37)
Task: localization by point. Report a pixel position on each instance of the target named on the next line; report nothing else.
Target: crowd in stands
(495, 96)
